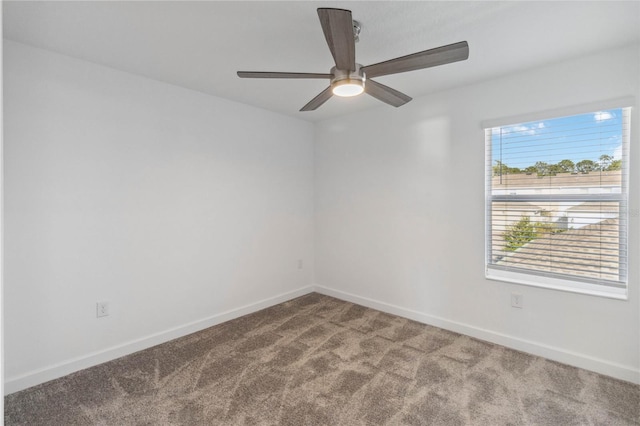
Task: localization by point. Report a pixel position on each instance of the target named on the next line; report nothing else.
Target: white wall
(400, 216)
(178, 208)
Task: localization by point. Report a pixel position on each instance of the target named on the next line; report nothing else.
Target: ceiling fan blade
(385, 93)
(425, 59)
(337, 25)
(318, 100)
(262, 74)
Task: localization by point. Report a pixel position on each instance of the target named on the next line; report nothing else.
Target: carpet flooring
(316, 360)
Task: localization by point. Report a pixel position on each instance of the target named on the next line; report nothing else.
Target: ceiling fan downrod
(356, 30)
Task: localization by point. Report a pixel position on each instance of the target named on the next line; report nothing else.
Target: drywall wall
(179, 209)
(400, 215)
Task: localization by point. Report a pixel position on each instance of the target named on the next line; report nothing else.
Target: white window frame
(540, 278)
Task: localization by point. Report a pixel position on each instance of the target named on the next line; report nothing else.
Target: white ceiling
(201, 45)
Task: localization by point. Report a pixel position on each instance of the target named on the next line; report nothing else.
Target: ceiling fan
(348, 78)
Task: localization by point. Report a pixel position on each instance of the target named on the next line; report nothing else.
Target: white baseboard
(32, 378)
(586, 362)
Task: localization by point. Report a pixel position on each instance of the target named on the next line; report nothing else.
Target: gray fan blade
(425, 59)
(337, 25)
(385, 93)
(261, 74)
(318, 100)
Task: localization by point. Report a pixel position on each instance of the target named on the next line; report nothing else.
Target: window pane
(577, 154)
(573, 238)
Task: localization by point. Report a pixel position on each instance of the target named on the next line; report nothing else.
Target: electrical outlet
(102, 309)
(516, 300)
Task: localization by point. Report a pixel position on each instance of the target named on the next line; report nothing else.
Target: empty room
(321, 213)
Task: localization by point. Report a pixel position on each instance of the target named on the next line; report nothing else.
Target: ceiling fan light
(348, 87)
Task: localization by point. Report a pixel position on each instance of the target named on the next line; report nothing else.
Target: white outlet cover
(102, 309)
(516, 300)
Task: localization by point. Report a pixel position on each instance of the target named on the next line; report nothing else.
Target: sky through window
(575, 138)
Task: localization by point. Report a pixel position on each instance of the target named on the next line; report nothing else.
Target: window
(556, 196)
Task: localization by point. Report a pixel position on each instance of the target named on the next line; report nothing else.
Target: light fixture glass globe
(348, 87)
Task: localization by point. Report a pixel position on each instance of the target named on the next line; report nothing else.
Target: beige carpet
(317, 360)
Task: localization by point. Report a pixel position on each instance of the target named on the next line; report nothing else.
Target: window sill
(556, 284)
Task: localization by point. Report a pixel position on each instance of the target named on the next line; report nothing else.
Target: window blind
(557, 193)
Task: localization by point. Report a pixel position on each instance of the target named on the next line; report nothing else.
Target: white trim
(586, 362)
(553, 283)
(2, 206)
(32, 378)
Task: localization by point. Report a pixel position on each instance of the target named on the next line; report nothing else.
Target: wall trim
(32, 378)
(586, 362)
(35, 377)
